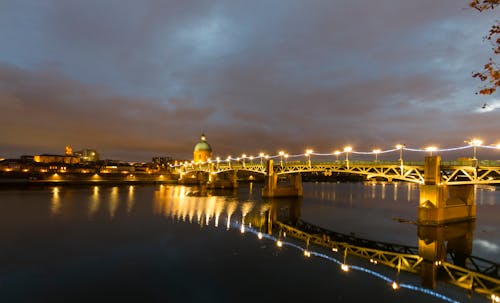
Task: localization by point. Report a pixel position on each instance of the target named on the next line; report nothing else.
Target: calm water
(180, 244)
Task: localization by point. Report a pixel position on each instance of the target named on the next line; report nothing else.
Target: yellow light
(335, 249)
(476, 142)
(279, 243)
(261, 155)
(242, 229)
(286, 156)
(344, 267)
(431, 148)
(498, 146)
(400, 146)
(348, 149)
(307, 253)
(395, 285)
(336, 153)
(251, 157)
(495, 298)
(244, 156)
(259, 235)
(309, 151)
(376, 151)
(281, 153)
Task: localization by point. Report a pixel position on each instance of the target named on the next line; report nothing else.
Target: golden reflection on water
(395, 191)
(181, 204)
(55, 205)
(130, 199)
(113, 201)
(94, 202)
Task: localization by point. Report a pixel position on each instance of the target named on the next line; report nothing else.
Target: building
(202, 150)
(87, 155)
(45, 158)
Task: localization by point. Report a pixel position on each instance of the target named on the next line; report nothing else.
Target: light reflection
(113, 201)
(180, 204)
(395, 197)
(131, 200)
(55, 206)
(94, 201)
(383, 191)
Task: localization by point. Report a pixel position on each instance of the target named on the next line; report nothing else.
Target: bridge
(447, 192)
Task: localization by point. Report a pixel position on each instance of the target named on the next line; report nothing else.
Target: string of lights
(344, 266)
(283, 156)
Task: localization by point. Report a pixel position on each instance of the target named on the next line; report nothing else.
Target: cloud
(146, 78)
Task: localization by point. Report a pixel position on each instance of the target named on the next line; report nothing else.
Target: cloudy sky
(136, 79)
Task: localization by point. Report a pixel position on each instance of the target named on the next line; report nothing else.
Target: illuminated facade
(56, 159)
(202, 150)
(87, 155)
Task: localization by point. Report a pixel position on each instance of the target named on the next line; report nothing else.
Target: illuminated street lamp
(218, 160)
(431, 149)
(286, 158)
(229, 161)
(251, 159)
(376, 152)
(336, 153)
(308, 155)
(347, 149)
(401, 147)
(475, 143)
(281, 153)
(243, 159)
(261, 155)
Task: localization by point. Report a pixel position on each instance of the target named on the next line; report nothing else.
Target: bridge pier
(441, 203)
(434, 244)
(215, 180)
(272, 189)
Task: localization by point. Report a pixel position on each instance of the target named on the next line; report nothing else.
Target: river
(171, 243)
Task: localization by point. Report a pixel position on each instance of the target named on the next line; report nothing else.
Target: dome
(202, 145)
(202, 150)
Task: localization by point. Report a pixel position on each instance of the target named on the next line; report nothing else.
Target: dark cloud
(136, 79)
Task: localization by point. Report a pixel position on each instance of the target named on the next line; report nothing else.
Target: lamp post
(261, 155)
(336, 153)
(229, 161)
(376, 152)
(308, 155)
(401, 147)
(431, 149)
(243, 159)
(218, 160)
(281, 153)
(286, 158)
(347, 149)
(475, 143)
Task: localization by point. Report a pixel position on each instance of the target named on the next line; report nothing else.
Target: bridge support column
(272, 189)
(434, 244)
(216, 181)
(441, 204)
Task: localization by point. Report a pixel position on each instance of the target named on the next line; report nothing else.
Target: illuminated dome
(202, 150)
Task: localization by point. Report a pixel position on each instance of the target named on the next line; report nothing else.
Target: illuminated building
(45, 158)
(202, 150)
(87, 155)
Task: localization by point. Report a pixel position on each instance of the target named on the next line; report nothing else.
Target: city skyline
(140, 79)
